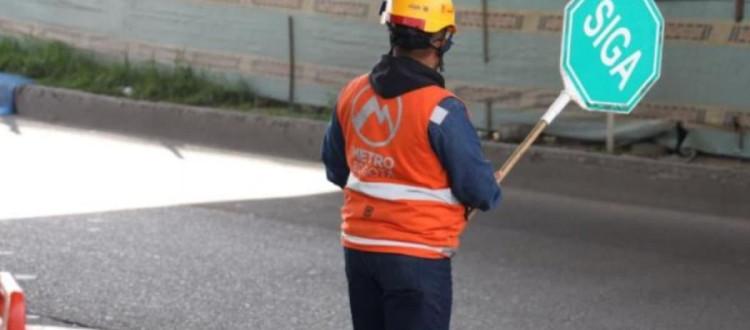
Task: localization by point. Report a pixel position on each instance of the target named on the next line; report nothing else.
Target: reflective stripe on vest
(448, 252)
(395, 192)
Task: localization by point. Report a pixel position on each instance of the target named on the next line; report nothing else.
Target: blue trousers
(396, 292)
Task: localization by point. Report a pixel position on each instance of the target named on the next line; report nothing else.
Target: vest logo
(375, 120)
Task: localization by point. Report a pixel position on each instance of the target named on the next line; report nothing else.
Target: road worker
(410, 163)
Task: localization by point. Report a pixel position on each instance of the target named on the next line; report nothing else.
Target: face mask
(444, 49)
(447, 45)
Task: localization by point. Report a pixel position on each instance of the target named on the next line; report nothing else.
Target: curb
(630, 180)
(623, 179)
(285, 137)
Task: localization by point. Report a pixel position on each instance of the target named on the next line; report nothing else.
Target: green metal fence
(506, 56)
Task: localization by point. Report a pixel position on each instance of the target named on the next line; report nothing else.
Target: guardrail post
(488, 118)
(12, 304)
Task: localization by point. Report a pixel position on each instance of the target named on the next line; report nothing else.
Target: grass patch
(58, 65)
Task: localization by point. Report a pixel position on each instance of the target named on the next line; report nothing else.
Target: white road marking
(59, 171)
(6, 253)
(43, 327)
(24, 277)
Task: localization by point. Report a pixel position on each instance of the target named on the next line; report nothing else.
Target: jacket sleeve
(333, 153)
(455, 141)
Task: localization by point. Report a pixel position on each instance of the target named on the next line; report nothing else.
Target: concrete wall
(707, 58)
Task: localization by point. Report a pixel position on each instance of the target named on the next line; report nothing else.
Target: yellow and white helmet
(430, 16)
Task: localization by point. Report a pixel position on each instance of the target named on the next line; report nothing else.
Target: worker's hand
(469, 212)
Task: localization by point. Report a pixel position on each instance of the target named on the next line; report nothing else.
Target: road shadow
(174, 148)
(550, 218)
(321, 210)
(11, 123)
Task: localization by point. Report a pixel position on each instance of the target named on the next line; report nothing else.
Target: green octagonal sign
(611, 52)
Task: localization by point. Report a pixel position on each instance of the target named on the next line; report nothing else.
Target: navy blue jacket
(454, 141)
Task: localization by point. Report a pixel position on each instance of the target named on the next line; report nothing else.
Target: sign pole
(610, 133)
(554, 110)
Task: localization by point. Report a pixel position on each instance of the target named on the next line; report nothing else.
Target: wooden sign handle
(554, 110)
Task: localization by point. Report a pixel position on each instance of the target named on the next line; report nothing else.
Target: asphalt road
(540, 262)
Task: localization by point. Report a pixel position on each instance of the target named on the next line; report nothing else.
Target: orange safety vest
(398, 197)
